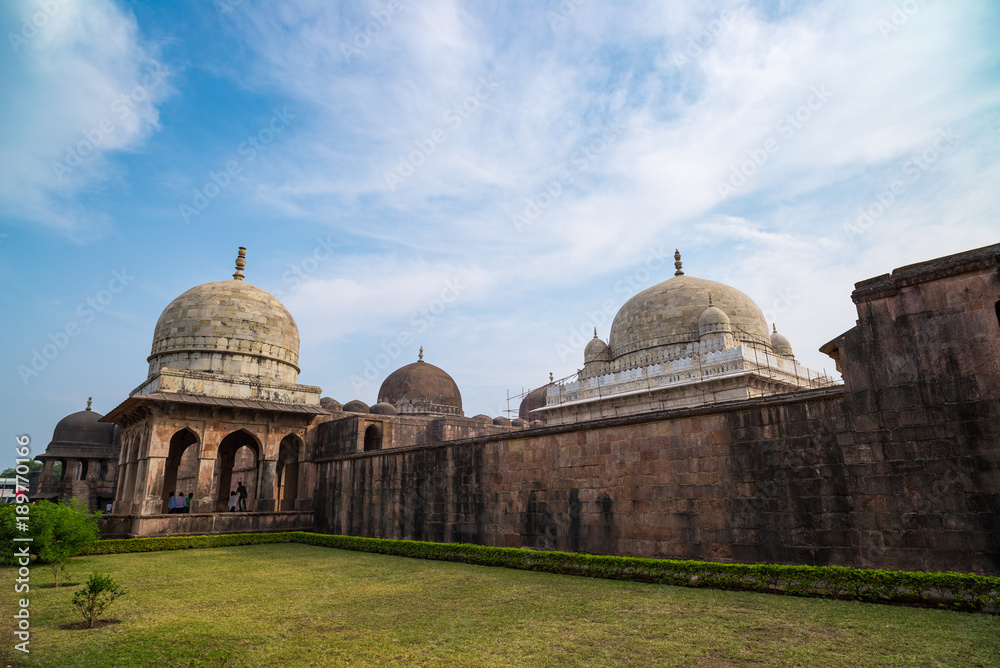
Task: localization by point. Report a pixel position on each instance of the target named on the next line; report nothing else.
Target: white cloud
(79, 88)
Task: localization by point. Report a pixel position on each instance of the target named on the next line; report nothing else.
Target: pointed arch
(373, 438)
(180, 442)
(238, 461)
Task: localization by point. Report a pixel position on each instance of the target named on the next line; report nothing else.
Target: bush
(59, 531)
(958, 591)
(95, 597)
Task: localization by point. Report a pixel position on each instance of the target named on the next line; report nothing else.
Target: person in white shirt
(232, 501)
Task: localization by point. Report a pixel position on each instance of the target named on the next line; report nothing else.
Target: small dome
(383, 408)
(501, 421)
(421, 389)
(532, 400)
(356, 406)
(712, 319)
(780, 344)
(518, 422)
(330, 404)
(83, 427)
(596, 351)
(485, 419)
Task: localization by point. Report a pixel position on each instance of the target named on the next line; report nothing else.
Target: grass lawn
(298, 605)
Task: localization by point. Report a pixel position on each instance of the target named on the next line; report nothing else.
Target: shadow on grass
(51, 585)
(82, 625)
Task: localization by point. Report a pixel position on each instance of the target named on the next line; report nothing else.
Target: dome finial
(595, 332)
(710, 300)
(677, 263)
(552, 377)
(89, 400)
(774, 328)
(420, 357)
(241, 261)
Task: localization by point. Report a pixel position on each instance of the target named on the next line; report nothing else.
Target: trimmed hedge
(957, 591)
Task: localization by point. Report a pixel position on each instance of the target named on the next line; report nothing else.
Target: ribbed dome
(228, 327)
(83, 427)
(421, 389)
(668, 314)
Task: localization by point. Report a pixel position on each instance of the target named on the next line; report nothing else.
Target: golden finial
(241, 261)
(89, 400)
(420, 357)
(677, 263)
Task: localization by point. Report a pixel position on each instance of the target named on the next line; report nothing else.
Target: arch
(237, 462)
(179, 444)
(58, 470)
(286, 477)
(80, 469)
(373, 438)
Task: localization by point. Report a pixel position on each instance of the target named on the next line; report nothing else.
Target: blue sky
(488, 180)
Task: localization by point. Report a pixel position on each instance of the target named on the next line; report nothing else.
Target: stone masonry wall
(899, 468)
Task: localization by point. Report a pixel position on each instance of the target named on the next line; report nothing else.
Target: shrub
(95, 597)
(958, 591)
(59, 531)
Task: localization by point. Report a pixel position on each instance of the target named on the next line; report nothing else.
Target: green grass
(298, 605)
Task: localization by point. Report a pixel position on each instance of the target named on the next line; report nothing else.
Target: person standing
(242, 491)
(172, 504)
(187, 502)
(232, 502)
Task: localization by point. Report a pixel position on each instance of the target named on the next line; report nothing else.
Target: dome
(228, 327)
(669, 314)
(532, 400)
(485, 419)
(596, 351)
(713, 320)
(83, 427)
(421, 388)
(501, 421)
(383, 408)
(780, 344)
(330, 404)
(518, 422)
(356, 406)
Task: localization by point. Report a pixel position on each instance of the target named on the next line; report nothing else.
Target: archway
(80, 469)
(237, 462)
(287, 473)
(373, 438)
(58, 470)
(180, 445)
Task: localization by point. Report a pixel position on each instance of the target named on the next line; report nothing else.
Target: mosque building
(692, 432)
(684, 342)
(221, 405)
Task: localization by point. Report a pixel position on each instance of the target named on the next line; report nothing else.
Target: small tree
(61, 531)
(95, 597)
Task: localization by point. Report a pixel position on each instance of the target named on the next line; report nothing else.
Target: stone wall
(899, 468)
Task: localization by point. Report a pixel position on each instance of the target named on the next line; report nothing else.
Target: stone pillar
(307, 483)
(205, 493)
(46, 475)
(265, 486)
(151, 486)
